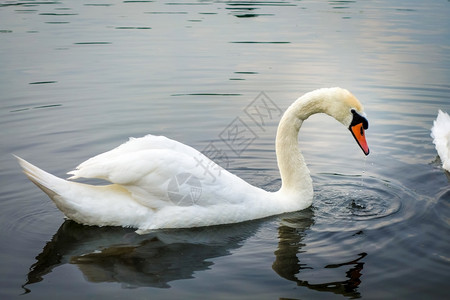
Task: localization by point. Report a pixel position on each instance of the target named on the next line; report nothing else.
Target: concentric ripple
(367, 202)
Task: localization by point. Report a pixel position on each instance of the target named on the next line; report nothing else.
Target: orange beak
(358, 133)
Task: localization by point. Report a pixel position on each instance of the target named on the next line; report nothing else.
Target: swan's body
(145, 174)
(441, 138)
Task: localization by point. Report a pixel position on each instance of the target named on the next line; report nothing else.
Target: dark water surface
(79, 77)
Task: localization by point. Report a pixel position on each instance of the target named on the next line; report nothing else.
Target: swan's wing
(159, 172)
(90, 168)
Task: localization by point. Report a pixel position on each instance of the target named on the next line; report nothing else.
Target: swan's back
(441, 138)
(97, 166)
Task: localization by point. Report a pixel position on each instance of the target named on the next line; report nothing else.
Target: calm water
(79, 77)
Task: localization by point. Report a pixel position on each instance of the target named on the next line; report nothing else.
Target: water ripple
(367, 202)
(442, 207)
(31, 219)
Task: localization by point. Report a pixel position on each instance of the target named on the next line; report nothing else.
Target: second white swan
(440, 132)
(157, 182)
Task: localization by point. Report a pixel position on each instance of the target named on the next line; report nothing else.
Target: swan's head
(348, 110)
(337, 103)
(341, 105)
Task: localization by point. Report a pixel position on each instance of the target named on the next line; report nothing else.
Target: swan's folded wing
(95, 166)
(150, 166)
(149, 171)
(146, 174)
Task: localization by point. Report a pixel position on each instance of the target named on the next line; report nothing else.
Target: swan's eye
(358, 119)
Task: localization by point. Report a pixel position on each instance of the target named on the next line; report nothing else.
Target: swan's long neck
(293, 170)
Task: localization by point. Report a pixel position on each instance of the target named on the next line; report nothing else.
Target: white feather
(440, 132)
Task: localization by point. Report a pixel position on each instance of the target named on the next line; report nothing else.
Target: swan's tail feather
(105, 205)
(45, 181)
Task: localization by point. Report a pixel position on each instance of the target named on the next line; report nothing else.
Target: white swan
(149, 177)
(440, 132)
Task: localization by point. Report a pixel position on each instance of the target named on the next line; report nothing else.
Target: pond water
(78, 78)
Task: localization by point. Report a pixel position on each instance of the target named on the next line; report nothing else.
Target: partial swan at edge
(440, 132)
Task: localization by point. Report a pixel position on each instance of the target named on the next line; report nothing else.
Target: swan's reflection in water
(287, 264)
(154, 260)
(110, 254)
